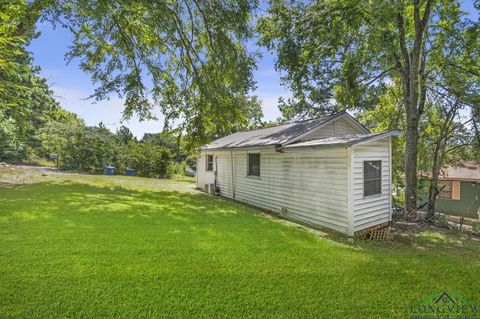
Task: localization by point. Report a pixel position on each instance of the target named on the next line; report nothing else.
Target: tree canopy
(187, 57)
(339, 55)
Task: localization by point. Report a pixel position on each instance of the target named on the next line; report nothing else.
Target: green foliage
(148, 159)
(12, 146)
(124, 135)
(81, 148)
(342, 55)
(12, 53)
(26, 101)
(389, 115)
(188, 58)
(89, 149)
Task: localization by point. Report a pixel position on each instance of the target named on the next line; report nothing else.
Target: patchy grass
(95, 246)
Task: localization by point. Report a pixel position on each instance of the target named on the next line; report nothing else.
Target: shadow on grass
(183, 210)
(175, 210)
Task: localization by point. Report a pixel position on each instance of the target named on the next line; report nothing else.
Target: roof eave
(346, 144)
(236, 148)
(377, 137)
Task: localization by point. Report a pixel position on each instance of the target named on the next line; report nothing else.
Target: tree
(124, 135)
(149, 160)
(343, 55)
(12, 52)
(446, 138)
(14, 68)
(188, 57)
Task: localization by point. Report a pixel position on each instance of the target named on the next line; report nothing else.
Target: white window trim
(381, 179)
(206, 163)
(260, 164)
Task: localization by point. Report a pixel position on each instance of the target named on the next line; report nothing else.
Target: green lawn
(81, 246)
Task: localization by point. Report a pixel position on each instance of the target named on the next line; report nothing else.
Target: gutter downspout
(350, 228)
(197, 168)
(233, 182)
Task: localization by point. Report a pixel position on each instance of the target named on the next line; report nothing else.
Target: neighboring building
(461, 192)
(329, 172)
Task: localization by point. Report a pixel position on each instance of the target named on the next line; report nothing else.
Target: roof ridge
(323, 117)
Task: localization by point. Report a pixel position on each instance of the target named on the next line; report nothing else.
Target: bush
(179, 169)
(148, 160)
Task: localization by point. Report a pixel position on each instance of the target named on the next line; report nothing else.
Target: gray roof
(277, 135)
(345, 140)
(463, 170)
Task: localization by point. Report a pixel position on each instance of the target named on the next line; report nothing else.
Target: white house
(330, 172)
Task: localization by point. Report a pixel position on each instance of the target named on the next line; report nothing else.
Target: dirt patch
(424, 235)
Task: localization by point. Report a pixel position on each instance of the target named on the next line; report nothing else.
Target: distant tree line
(32, 123)
(89, 148)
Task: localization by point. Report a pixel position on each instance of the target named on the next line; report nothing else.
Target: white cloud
(270, 103)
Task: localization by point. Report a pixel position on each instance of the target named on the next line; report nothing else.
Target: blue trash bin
(109, 170)
(129, 172)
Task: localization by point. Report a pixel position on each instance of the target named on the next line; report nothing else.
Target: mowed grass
(82, 246)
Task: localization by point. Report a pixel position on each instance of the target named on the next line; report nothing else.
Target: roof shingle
(268, 136)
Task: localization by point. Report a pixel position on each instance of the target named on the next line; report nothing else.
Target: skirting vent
(376, 233)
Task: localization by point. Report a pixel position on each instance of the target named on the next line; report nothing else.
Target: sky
(72, 86)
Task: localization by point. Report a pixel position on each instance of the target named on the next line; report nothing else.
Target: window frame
(440, 194)
(249, 172)
(370, 179)
(207, 163)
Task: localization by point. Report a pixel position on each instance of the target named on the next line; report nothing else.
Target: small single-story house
(460, 194)
(330, 172)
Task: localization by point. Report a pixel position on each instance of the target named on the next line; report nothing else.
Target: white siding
(203, 176)
(337, 128)
(309, 185)
(371, 210)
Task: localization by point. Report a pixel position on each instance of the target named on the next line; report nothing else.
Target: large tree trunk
(411, 143)
(413, 76)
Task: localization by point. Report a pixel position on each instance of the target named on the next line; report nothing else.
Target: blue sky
(72, 86)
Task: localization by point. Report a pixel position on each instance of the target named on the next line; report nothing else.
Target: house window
(209, 163)
(254, 164)
(372, 178)
(445, 189)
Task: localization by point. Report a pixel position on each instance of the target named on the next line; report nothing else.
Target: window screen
(372, 178)
(209, 163)
(254, 164)
(446, 189)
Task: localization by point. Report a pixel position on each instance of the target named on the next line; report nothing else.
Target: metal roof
(277, 135)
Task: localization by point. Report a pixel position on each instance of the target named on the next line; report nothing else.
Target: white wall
(203, 176)
(310, 185)
(371, 210)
